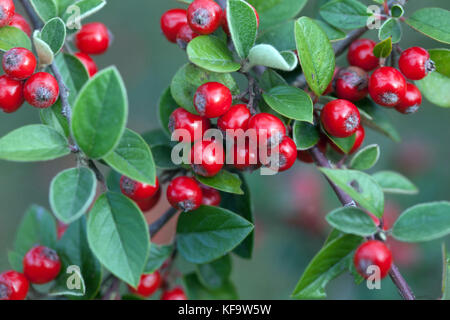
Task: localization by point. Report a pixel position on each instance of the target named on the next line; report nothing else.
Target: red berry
(149, 203)
(194, 124)
(148, 284)
(225, 27)
(373, 253)
(284, 157)
(305, 155)
(93, 38)
(415, 63)
(207, 158)
(235, 118)
(13, 286)
(171, 23)
(268, 129)
(7, 10)
(387, 86)
(360, 54)
(211, 197)
(41, 90)
(174, 294)
(19, 22)
(11, 94)
(212, 99)
(41, 265)
(19, 63)
(185, 35)
(204, 16)
(184, 193)
(352, 84)
(245, 155)
(137, 191)
(340, 118)
(411, 101)
(88, 63)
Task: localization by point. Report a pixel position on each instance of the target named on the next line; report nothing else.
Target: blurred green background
(289, 207)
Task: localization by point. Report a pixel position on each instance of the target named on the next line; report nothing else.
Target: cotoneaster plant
(295, 101)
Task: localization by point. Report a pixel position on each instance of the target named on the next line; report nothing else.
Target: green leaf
(423, 222)
(208, 233)
(332, 260)
(15, 261)
(432, 22)
(380, 121)
(345, 14)
(84, 9)
(34, 142)
(163, 157)
(441, 59)
(45, 9)
(189, 78)
(73, 250)
(196, 291)
(243, 26)
(71, 193)
(100, 114)
(383, 49)
(270, 79)
(118, 236)
(166, 106)
(315, 53)
(215, 274)
(268, 56)
(279, 36)
(157, 256)
(393, 182)
(11, 37)
(291, 102)
(305, 135)
(391, 28)
(272, 12)
(333, 33)
(344, 144)
(360, 186)
(53, 117)
(224, 181)
(133, 158)
(43, 50)
(365, 158)
(156, 137)
(397, 11)
(211, 53)
(37, 227)
(445, 274)
(243, 206)
(54, 34)
(436, 88)
(352, 220)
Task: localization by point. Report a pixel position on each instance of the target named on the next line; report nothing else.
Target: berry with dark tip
(171, 22)
(212, 99)
(360, 54)
(13, 286)
(41, 90)
(411, 101)
(204, 16)
(340, 118)
(352, 84)
(372, 253)
(387, 86)
(41, 265)
(283, 157)
(184, 193)
(19, 63)
(137, 191)
(207, 158)
(415, 63)
(194, 124)
(11, 94)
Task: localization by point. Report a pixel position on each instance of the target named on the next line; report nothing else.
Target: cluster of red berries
(40, 265)
(150, 283)
(201, 18)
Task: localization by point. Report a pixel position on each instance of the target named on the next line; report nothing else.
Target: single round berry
(211, 197)
(41, 265)
(88, 63)
(415, 63)
(41, 90)
(360, 54)
(207, 158)
(225, 26)
(171, 23)
(387, 86)
(245, 155)
(19, 22)
(372, 253)
(411, 101)
(212, 99)
(137, 191)
(19, 63)
(13, 286)
(283, 156)
(185, 35)
(236, 118)
(11, 94)
(149, 203)
(174, 294)
(7, 10)
(93, 38)
(194, 124)
(204, 16)
(148, 284)
(268, 129)
(340, 118)
(305, 155)
(352, 84)
(184, 193)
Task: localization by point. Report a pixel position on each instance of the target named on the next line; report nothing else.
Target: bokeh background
(289, 207)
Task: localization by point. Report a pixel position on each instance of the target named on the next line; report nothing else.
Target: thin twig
(156, 226)
(98, 174)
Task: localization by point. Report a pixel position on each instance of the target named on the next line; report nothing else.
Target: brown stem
(156, 226)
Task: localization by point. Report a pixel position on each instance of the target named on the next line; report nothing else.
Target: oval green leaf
(352, 220)
(391, 28)
(266, 55)
(432, 22)
(54, 34)
(345, 14)
(11, 37)
(305, 135)
(393, 182)
(157, 256)
(224, 181)
(242, 23)
(166, 106)
(365, 158)
(45, 9)
(436, 88)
